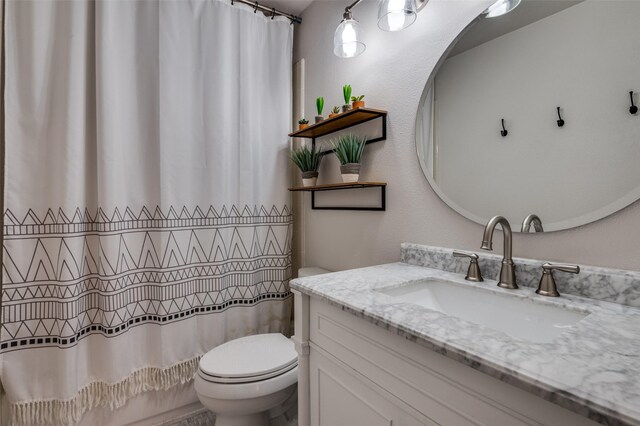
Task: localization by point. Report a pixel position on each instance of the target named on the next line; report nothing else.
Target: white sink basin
(519, 318)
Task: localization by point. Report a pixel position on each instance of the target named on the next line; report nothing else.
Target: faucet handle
(473, 273)
(462, 253)
(547, 286)
(574, 269)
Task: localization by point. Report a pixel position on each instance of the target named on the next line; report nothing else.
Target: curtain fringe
(100, 394)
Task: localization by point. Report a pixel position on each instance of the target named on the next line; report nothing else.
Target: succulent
(303, 121)
(349, 148)
(307, 160)
(320, 105)
(357, 98)
(346, 91)
(335, 110)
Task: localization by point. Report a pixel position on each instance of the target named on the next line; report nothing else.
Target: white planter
(350, 172)
(309, 178)
(310, 181)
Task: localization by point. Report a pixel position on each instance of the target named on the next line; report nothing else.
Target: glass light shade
(347, 41)
(500, 8)
(396, 15)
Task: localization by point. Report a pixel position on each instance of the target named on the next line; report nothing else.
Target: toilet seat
(245, 391)
(249, 359)
(250, 379)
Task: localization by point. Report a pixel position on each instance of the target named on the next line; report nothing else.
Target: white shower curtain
(147, 218)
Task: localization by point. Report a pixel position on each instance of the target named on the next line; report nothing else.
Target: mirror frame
(587, 218)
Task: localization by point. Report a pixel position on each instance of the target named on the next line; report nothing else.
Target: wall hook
(632, 109)
(504, 131)
(560, 120)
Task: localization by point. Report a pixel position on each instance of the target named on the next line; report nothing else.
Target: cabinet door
(342, 397)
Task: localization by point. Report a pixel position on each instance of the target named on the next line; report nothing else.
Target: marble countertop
(592, 369)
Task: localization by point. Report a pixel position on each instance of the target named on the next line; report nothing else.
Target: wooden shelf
(340, 186)
(335, 186)
(342, 121)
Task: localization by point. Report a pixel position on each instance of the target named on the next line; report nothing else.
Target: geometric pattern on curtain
(106, 272)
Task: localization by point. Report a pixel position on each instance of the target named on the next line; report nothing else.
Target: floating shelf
(343, 121)
(336, 186)
(340, 186)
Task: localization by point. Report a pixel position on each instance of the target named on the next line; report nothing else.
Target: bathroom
(168, 260)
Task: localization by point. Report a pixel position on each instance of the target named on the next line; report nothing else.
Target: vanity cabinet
(341, 396)
(352, 373)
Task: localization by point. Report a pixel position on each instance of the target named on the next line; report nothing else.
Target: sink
(518, 317)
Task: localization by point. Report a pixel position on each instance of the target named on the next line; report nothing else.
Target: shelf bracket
(382, 137)
(381, 208)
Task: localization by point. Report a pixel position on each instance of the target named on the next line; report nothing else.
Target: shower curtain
(146, 213)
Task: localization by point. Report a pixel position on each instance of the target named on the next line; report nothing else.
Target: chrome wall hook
(560, 120)
(633, 109)
(504, 131)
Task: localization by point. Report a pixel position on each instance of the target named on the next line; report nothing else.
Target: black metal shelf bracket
(381, 208)
(383, 137)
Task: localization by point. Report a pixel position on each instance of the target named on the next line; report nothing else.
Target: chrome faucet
(507, 272)
(534, 220)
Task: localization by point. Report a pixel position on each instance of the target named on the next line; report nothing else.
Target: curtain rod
(268, 10)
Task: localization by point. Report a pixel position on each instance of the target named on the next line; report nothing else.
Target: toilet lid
(250, 356)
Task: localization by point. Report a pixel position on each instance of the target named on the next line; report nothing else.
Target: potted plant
(308, 161)
(335, 111)
(357, 101)
(319, 107)
(348, 149)
(303, 124)
(346, 92)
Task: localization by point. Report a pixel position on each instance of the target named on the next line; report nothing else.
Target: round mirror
(530, 113)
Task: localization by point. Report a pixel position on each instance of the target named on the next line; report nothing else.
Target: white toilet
(241, 380)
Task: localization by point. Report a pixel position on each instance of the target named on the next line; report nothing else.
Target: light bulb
(349, 40)
(501, 7)
(395, 15)
(346, 40)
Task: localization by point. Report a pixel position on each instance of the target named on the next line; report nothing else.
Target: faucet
(507, 271)
(532, 219)
(547, 286)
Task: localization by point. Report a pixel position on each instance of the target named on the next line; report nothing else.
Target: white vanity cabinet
(355, 373)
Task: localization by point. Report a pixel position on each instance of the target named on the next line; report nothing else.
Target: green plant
(320, 105)
(357, 98)
(307, 160)
(349, 148)
(346, 91)
(335, 110)
(303, 121)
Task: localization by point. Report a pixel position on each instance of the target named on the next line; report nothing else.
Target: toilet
(243, 379)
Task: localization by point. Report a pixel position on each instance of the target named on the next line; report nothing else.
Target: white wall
(392, 74)
(521, 77)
